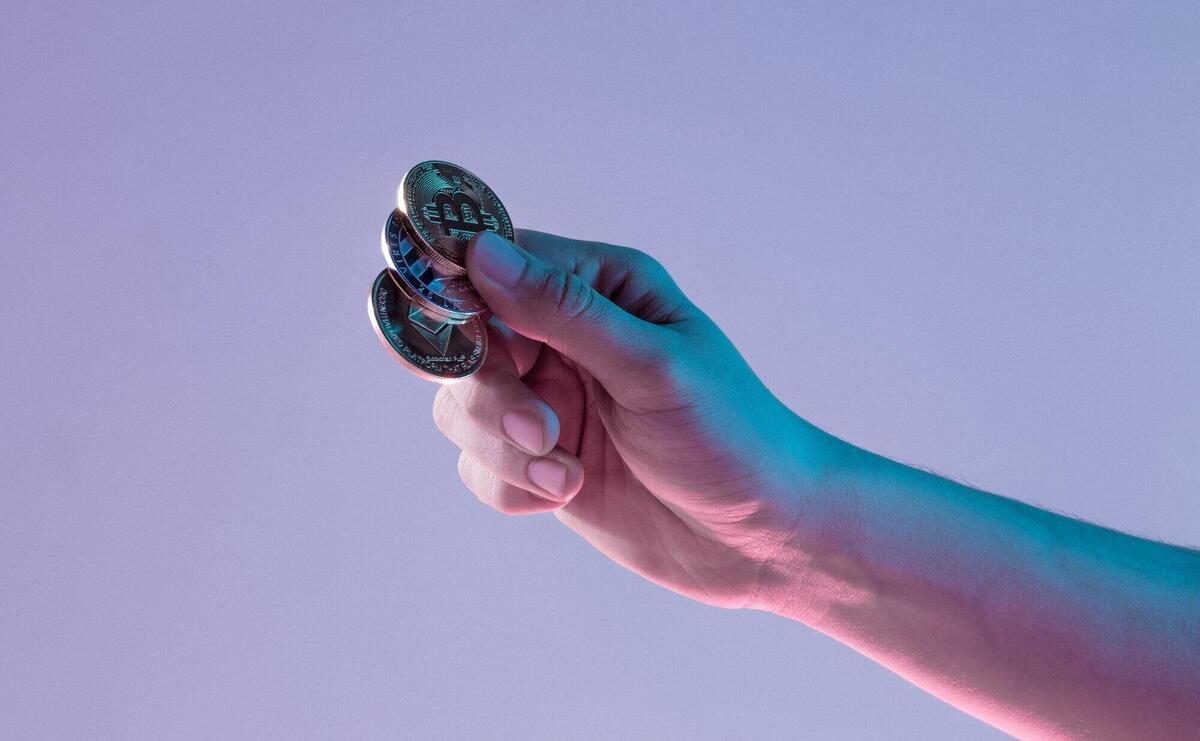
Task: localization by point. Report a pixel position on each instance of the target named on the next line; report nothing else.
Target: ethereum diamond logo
(433, 330)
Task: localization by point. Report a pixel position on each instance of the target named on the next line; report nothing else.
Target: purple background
(960, 236)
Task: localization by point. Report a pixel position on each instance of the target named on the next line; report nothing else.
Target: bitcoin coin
(452, 295)
(428, 345)
(445, 206)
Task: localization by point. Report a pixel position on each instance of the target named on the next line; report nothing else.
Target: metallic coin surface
(445, 206)
(427, 345)
(452, 295)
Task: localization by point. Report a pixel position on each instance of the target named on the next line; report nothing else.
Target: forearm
(1034, 622)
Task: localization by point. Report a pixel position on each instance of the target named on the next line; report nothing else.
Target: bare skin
(610, 400)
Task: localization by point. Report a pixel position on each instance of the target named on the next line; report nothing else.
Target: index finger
(630, 278)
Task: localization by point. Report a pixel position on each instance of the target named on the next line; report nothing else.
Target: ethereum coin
(425, 343)
(445, 206)
(451, 295)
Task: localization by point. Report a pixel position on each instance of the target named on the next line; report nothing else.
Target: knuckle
(649, 288)
(481, 402)
(467, 395)
(444, 409)
(484, 485)
(478, 481)
(640, 264)
(644, 263)
(566, 297)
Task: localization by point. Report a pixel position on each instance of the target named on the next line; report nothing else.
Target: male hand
(612, 401)
(609, 399)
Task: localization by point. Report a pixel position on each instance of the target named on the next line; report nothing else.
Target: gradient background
(959, 235)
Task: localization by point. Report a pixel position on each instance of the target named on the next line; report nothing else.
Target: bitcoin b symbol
(458, 212)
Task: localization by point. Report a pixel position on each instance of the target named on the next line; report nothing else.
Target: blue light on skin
(644, 431)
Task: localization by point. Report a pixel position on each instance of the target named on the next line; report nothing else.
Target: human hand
(614, 402)
(609, 399)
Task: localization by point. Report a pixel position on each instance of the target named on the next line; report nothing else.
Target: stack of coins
(423, 307)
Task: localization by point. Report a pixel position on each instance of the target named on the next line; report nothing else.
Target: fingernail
(548, 475)
(497, 259)
(524, 431)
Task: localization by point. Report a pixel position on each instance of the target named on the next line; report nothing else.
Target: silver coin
(451, 295)
(424, 342)
(445, 205)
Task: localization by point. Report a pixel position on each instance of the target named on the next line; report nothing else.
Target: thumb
(555, 306)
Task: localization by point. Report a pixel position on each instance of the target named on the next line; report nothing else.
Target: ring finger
(556, 476)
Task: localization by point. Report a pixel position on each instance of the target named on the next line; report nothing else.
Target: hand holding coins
(629, 415)
(423, 307)
(612, 401)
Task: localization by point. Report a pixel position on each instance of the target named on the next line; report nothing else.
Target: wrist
(805, 572)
